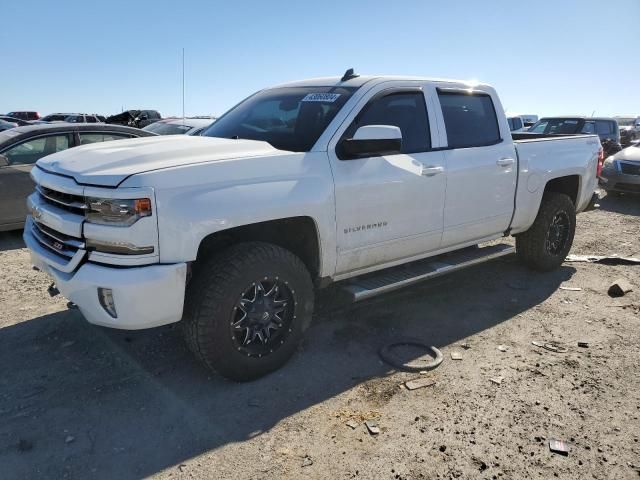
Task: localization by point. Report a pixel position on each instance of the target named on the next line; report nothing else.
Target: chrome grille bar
(54, 197)
(46, 242)
(59, 237)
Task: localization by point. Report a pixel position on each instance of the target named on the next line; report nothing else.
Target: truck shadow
(84, 402)
(11, 240)
(627, 204)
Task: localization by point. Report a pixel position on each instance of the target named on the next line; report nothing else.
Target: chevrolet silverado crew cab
(373, 182)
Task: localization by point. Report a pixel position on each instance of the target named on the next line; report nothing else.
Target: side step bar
(393, 278)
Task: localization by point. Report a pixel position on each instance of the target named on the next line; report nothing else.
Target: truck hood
(110, 163)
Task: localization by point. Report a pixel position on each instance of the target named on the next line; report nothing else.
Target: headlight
(608, 163)
(117, 212)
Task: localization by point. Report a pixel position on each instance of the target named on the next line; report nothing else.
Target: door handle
(431, 170)
(506, 161)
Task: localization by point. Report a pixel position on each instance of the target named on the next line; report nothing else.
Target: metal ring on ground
(387, 355)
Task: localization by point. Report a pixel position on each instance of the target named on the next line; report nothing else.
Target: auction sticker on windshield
(321, 97)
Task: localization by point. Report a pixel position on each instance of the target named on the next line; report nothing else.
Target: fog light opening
(105, 296)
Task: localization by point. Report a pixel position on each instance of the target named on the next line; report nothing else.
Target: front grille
(57, 242)
(630, 168)
(66, 201)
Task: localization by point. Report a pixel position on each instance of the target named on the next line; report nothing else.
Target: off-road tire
(532, 245)
(218, 282)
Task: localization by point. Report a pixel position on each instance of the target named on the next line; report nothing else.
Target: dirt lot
(78, 401)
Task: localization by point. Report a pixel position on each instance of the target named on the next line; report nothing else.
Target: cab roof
(362, 79)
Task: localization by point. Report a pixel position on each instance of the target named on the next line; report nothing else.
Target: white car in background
(180, 126)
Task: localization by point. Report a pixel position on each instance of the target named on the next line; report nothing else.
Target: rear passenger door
(481, 167)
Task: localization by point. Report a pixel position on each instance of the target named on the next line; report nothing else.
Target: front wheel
(546, 244)
(247, 308)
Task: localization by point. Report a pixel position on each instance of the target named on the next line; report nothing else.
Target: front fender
(197, 200)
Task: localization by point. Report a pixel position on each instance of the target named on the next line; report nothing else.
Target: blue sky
(544, 57)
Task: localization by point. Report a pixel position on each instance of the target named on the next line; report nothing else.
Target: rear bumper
(144, 297)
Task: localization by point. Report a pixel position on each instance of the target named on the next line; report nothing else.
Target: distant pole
(182, 85)
(593, 113)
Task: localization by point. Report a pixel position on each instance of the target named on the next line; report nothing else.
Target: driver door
(388, 207)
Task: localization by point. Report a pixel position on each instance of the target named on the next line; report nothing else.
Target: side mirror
(4, 161)
(373, 141)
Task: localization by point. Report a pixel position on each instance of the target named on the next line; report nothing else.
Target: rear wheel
(546, 244)
(247, 308)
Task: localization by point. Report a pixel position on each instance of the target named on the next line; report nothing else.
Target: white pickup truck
(374, 182)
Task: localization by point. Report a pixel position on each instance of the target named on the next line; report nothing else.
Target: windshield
(162, 128)
(291, 118)
(556, 126)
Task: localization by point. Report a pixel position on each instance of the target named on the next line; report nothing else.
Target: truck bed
(525, 137)
(544, 157)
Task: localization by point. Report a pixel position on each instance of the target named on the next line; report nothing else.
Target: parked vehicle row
(606, 128)
(629, 129)
(366, 181)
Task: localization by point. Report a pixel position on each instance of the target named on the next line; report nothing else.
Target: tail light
(600, 161)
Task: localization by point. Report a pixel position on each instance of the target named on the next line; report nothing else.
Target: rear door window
(470, 120)
(30, 151)
(89, 138)
(604, 128)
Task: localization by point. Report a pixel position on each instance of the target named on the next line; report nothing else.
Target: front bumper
(613, 181)
(144, 297)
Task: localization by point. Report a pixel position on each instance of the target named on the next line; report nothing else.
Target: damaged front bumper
(141, 297)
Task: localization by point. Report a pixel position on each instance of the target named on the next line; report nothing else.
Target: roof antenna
(348, 75)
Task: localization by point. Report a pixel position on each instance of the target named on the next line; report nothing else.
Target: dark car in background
(22, 147)
(135, 118)
(24, 115)
(17, 121)
(55, 117)
(606, 128)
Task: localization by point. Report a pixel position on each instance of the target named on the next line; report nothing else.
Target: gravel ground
(79, 401)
